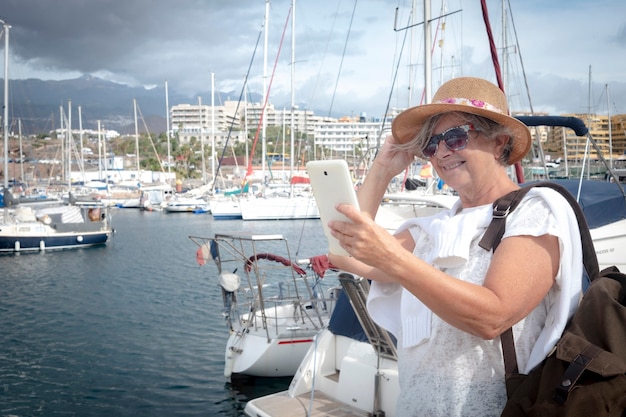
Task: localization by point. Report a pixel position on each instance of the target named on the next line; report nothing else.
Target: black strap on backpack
(491, 239)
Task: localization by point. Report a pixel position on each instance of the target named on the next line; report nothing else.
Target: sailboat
(293, 200)
(274, 305)
(37, 228)
(280, 203)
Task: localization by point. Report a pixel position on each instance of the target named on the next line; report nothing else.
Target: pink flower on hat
(470, 102)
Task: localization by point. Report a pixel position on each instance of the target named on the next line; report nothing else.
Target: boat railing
(580, 129)
(272, 291)
(357, 289)
(282, 308)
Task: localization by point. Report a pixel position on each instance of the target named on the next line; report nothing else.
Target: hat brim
(407, 124)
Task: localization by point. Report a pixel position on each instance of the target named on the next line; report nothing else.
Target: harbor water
(133, 328)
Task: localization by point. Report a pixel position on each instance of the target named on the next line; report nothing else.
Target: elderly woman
(444, 298)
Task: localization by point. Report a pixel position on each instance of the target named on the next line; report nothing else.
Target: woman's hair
(487, 127)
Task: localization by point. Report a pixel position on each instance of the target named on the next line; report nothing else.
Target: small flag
(206, 252)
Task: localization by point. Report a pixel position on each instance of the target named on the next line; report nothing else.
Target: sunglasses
(455, 138)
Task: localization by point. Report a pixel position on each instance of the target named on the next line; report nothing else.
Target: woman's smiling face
(467, 169)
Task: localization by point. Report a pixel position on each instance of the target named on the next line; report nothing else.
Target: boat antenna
(5, 117)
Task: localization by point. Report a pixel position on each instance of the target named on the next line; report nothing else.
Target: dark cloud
(145, 41)
(344, 61)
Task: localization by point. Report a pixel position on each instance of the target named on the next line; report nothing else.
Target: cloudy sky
(350, 56)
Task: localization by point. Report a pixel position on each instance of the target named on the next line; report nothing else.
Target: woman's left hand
(364, 239)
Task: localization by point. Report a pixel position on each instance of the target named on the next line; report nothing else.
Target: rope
(267, 95)
(243, 89)
(345, 46)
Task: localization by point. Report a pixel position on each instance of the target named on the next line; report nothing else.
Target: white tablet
(332, 184)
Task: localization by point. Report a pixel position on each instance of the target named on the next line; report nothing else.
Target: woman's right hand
(393, 159)
(390, 161)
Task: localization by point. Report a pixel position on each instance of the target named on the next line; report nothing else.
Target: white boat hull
(187, 206)
(609, 242)
(256, 355)
(226, 209)
(279, 208)
(343, 373)
(274, 343)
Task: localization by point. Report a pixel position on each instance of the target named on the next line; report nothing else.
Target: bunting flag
(206, 252)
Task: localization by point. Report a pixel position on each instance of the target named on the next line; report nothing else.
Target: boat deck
(282, 405)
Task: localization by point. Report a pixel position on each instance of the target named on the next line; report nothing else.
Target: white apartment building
(303, 120)
(349, 134)
(205, 122)
(344, 135)
(106, 134)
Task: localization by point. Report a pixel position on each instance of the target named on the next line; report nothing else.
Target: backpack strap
(502, 207)
(492, 236)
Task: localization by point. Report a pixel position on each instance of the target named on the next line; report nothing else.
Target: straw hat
(469, 95)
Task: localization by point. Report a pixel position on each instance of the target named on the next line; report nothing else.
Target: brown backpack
(586, 374)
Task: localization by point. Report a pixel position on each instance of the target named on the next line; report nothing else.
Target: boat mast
(565, 156)
(5, 117)
(80, 129)
(264, 121)
(99, 152)
(608, 106)
(293, 88)
(106, 159)
(284, 139)
(81, 162)
(19, 130)
(587, 157)
(167, 127)
(412, 47)
(68, 178)
(245, 115)
(427, 57)
(202, 140)
(213, 128)
(61, 135)
(136, 137)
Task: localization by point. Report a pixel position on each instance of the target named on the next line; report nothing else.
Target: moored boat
(226, 207)
(273, 305)
(279, 208)
(187, 205)
(55, 227)
(352, 369)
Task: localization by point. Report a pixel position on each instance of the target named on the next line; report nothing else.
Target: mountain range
(37, 103)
